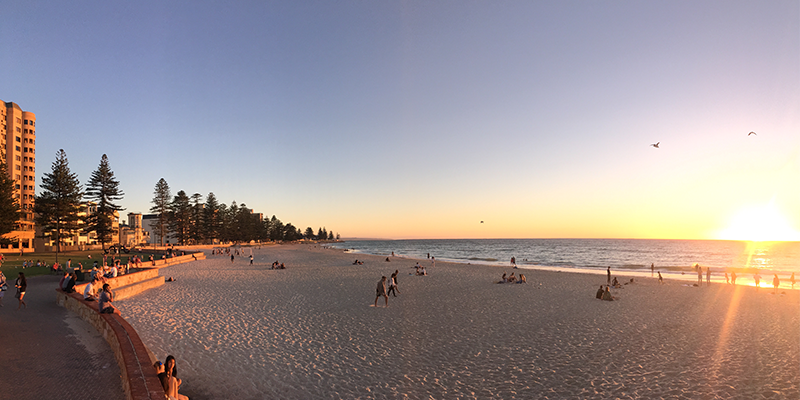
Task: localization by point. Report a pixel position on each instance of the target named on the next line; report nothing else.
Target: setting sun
(760, 224)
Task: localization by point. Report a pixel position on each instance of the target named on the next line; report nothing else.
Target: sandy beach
(310, 331)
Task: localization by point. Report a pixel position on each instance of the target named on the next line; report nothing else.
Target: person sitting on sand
(599, 294)
(106, 297)
(512, 278)
(607, 294)
(381, 291)
(504, 279)
(616, 284)
(388, 260)
(522, 279)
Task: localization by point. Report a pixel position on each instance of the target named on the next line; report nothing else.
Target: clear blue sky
(420, 119)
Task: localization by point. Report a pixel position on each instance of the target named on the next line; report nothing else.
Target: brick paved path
(47, 352)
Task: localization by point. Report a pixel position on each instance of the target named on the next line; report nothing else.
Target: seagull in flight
(655, 145)
(752, 133)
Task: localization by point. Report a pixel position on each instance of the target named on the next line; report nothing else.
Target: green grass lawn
(12, 264)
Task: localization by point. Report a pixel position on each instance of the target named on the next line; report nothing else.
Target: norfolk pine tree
(58, 205)
(104, 190)
(161, 200)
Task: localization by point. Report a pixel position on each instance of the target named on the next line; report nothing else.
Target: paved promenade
(46, 352)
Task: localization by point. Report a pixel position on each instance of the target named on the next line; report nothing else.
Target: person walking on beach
(757, 278)
(660, 279)
(514, 262)
(251, 259)
(381, 291)
(22, 285)
(733, 277)
(775, 283)
(608, 276)
(393, 285)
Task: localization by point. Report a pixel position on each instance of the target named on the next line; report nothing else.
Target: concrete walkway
(46, 352)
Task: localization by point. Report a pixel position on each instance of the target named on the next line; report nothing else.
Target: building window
(18, 139)
(18, 168)
(18, 158)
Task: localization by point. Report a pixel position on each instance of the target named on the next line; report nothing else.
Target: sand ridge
(242, 331)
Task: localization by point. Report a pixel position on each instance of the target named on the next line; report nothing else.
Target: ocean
(673, 258)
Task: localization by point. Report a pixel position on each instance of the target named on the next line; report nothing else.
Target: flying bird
(655, 145)
(752, 133)
(481, 221)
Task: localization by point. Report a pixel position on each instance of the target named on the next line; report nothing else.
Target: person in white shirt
(89, 291)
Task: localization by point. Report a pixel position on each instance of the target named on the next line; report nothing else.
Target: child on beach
(381, 291)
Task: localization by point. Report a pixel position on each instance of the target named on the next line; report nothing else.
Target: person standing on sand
(514, 262)
(660, 279)
(699, 275)
(608, 276)
(726, 278)
(231, 258)
(775, 283)
(708, 276)
(733, 278)
(652, 269)
(792, 280)
(381, 291)
(251, 259)
(757, 278)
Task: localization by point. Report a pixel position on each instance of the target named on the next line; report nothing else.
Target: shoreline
(310, 331)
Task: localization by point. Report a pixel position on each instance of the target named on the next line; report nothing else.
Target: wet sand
(310, 331)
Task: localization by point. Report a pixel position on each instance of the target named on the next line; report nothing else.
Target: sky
(419, 119)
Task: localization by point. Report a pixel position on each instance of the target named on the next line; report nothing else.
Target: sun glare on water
(760, 224)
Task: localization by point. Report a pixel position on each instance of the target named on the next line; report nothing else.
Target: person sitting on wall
(89, 291)
(106, 297)
(70, 286)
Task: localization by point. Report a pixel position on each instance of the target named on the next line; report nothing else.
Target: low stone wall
(131, 284)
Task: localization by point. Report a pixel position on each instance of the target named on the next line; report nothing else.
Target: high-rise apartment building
(18, 150)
